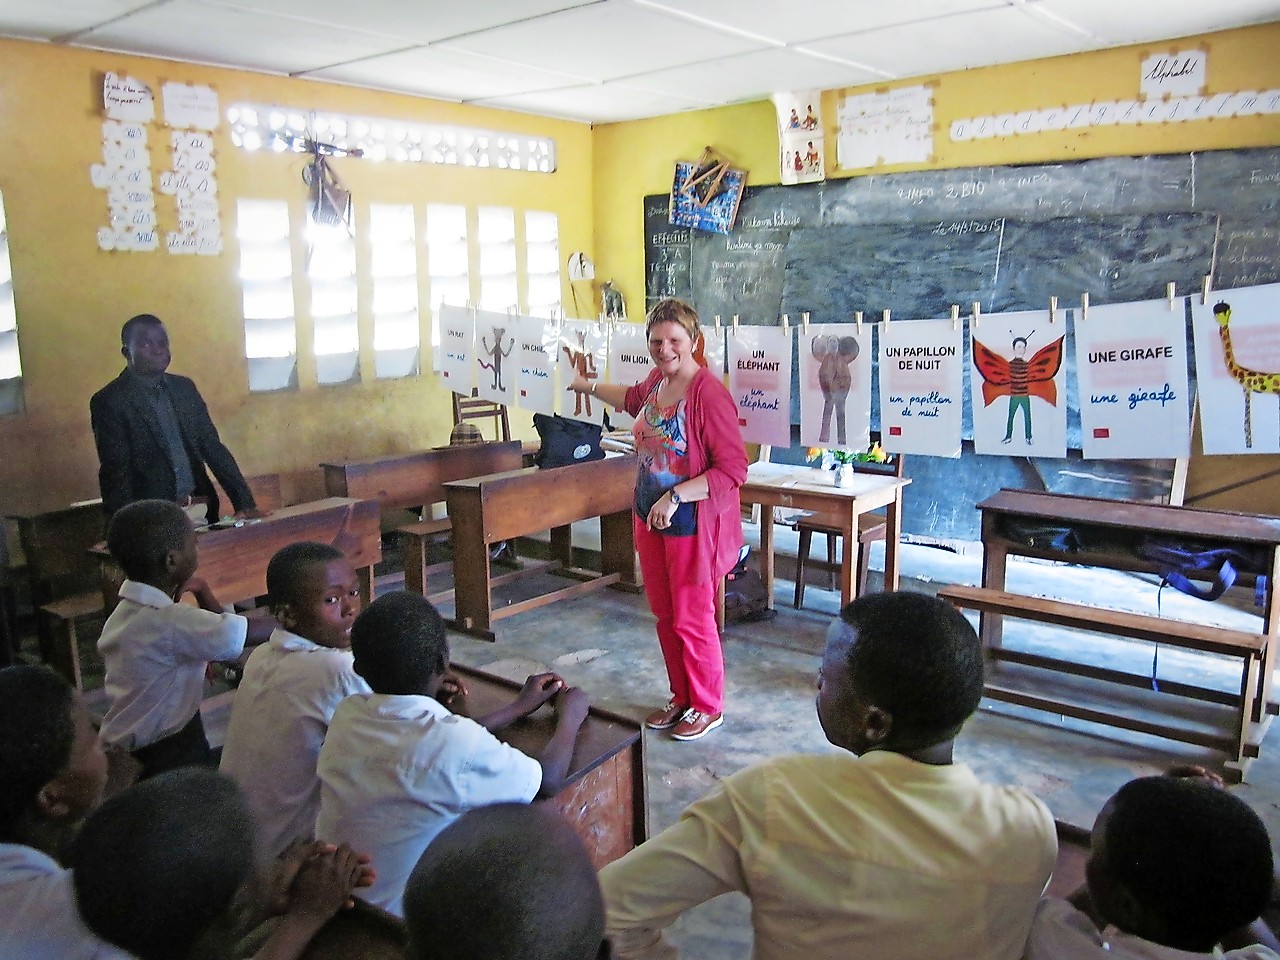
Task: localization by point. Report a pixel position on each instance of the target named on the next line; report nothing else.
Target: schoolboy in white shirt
(290, 688)
(155, 649)
(397, 766)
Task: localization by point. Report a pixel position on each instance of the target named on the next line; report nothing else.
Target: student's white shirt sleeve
(494, 772)
(210, 636)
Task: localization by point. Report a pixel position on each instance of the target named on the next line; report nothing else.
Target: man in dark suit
(154, 434)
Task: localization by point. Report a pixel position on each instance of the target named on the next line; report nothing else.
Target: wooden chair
(871, 527)
(474, 408)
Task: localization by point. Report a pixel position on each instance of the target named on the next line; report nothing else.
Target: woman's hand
(660, 513)
(580, 384)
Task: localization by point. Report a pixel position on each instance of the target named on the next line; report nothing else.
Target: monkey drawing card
(1131, 361)
(457, 330)
(496, 364)
(582, 350)
(1018, 384)
(835, 386)
(535, 356)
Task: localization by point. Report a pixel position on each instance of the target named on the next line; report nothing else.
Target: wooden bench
(403, 481)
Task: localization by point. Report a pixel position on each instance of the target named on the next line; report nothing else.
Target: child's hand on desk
(572, 704)
(537, 690)
(451, 689)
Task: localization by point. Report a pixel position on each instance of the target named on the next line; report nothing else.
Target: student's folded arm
(693, 861)
(571, 712)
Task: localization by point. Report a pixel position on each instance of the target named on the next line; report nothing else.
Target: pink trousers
(686, 615)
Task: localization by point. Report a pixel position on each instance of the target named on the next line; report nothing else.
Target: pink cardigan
(715, 448)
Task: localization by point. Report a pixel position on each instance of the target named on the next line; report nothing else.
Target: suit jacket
(133, 457)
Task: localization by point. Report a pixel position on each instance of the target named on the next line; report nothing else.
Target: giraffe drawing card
(1237, 341)
(535, 353)
(921, 387)
(1018, 385)
(457, 331)
(835, 386)
(1131, 360)
(583, 349)
(494, 350)
(760, 381)
(629, 363)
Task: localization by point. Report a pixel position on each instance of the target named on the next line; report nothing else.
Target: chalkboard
(1120, 228)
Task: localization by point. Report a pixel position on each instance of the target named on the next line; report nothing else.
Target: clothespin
(735, 324)
(977, 312)
(857, 318)
(1206, 289)
(955, 316)
(804, 321)
(886, 318)
(1171, 292)
(1053, 309)
(785, 324)
(717, 319)
(1084, 305)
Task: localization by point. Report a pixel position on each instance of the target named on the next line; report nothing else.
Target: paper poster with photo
(800, 143)
(1018, 384)
(457, 333)
(493, 350)
(921, 386)
(1237, 340)
(760, 381)
(583, 350)
(535, 354)
(835, 386)
(711, 352)
(1131, 361)
(629, 363)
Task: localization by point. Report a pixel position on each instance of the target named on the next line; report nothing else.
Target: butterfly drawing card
(1018, 385)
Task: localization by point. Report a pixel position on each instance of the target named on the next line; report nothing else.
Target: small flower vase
(844, 475)
(828, 460)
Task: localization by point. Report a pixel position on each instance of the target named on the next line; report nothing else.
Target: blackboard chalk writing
(919, 364)
(777, 219)
(915, 194)
(963, 227)
(969, 188)
(1263, 176)
(770, 365)
(1163, 395)
(755, 400)
(670, 236)
(1103, 398)
(945, 351)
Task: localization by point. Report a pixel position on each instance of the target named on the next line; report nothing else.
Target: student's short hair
(1191, 854)
(289, 565)
(399, 644)
(143, 532)
(158, 865)
(37, 734)
(141, 320)
(505, 882)
(918, 658)
(672, 310)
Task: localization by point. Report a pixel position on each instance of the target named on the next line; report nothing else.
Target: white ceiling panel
(448, 74)
(186, 30)
(1135, 21)
(751, 76)
(421, 22)
(599, 103)
(956, 43)
(44, 21)
(605, 41)
(815, 18)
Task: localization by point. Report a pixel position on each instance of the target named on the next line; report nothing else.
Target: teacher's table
(517, 503)
(604, 796)
(804, 488)
(233, 561)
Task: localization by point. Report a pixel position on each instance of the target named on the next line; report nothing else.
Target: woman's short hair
(674, 311)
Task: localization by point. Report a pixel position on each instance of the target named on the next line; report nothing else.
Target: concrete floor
(605, 643)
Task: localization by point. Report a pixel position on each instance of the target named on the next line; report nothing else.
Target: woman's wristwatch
(676, 499)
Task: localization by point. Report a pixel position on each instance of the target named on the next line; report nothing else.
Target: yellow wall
(72, 298)
(634, 159)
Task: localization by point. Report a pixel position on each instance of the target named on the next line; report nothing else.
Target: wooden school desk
(234, 561)
(604, 796)
(503, 506)
(804, 488)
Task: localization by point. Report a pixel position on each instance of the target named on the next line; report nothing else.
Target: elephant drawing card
(535, 354)
(496, 364)
(835, 386)
(760, 381)
(921, 386)
(1131, 361)
(583, 349)
(629, 363)
(1018, 385)
(457, 330)
(1237, 341)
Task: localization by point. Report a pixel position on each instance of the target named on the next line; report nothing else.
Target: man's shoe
(665, 718)
(694, 725)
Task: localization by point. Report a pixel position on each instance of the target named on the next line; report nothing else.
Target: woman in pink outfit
(688, 524)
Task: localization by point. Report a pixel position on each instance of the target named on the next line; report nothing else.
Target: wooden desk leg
(848, 558)
(562, 546)
(766, 551)
(472, 597)
(1271, 630)
(618, 550)
(994, 558)
(415, 563)
(892, 541)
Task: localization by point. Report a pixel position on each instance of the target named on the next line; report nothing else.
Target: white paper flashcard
(115, 132)
(1131, 360)
(800, 142)
(835, 386)
(493, 349)
(1180, 74)
(126, 98)
(1237, 340)
(536, 345)
(1018, 385)
(760, 381)
(583, 351)
(190, 106)
(711, 350)
(457, 335)
(921, 386)
(629, 363)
